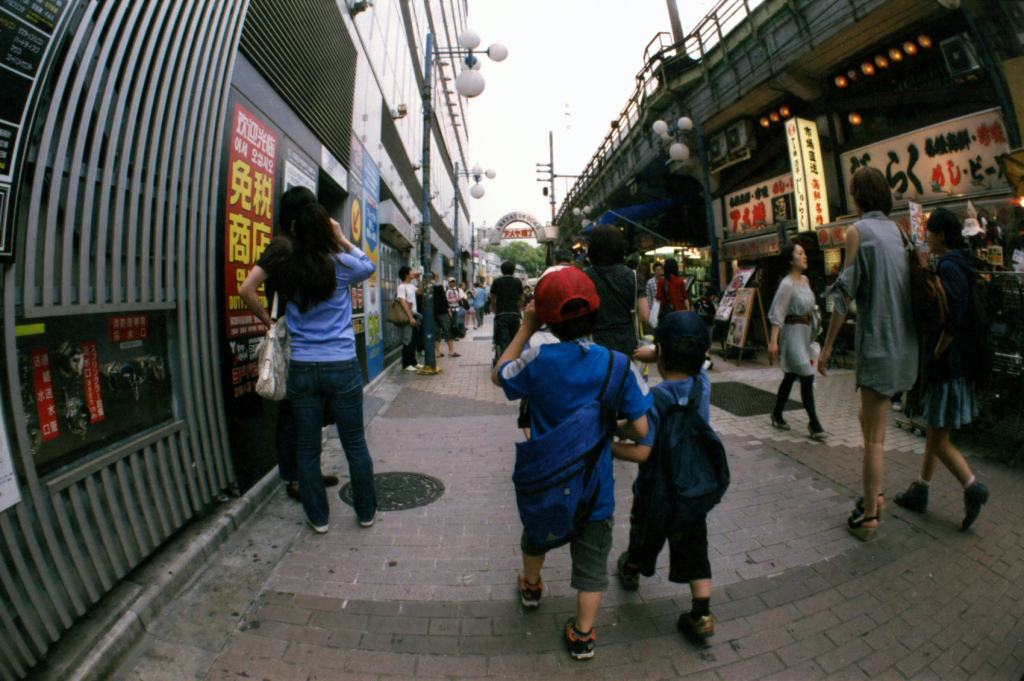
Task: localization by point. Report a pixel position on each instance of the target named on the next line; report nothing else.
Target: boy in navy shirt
(682, 340)
(558, 379)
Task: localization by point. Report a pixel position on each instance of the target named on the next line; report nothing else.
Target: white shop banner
(957, 157)
(9, 494)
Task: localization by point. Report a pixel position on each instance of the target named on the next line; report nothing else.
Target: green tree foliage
(530, 257)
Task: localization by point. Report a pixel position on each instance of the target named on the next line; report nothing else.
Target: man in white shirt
(406, 297)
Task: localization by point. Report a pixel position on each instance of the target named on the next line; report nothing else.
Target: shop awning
(641, 211)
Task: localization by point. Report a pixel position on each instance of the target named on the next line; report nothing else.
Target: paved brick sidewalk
(430, 592)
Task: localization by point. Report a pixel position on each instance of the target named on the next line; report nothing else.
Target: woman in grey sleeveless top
(791, 315)
(876, 274)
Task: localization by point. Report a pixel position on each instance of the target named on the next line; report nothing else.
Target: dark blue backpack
(556, 488)
(687, 473)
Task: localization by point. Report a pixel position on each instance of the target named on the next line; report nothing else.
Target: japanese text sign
(761, 205)
(955, 157)
(808, 174)
(519, 233)
(42, 383)
(91, 374)
(130, 328)
(250, 210)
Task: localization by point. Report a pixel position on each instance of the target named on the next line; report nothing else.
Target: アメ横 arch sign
(519, 233)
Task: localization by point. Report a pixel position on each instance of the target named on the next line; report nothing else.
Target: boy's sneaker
(581, 646)
(629, 578)
(530, 595)
(975, 497)
(700, 629)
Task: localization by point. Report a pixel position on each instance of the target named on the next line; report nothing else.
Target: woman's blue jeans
(340, 385)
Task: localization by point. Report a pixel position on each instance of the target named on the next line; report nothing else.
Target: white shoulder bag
(272, 356)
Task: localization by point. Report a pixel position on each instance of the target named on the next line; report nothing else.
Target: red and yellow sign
(42, 383)
(91, 373)
(250, 213)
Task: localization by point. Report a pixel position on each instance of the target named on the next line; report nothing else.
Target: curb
(168, 580)
(163, 577)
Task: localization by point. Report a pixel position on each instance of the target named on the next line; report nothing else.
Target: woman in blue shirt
(315, 280)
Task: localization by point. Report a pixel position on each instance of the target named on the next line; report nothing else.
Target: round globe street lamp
(477, 192)
(674, 135)
(469, 83)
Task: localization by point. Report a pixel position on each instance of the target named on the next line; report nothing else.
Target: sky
(571, 69)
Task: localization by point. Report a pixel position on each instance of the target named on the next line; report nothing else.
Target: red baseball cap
(560, 285)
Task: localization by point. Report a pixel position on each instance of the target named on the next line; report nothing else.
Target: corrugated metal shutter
(306, 54)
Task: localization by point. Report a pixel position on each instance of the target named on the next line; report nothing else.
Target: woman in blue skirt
(948, 396)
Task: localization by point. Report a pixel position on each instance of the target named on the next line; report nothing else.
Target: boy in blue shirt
(558, 379)
(682, 340)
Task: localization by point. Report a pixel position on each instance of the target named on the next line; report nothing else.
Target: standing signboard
(742, 316)
(26, 33)
(811, 195)
(740, 280)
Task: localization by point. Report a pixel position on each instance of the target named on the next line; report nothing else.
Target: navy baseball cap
(678, 326)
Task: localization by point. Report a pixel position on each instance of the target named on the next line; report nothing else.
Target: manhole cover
(741, 399)
(400, 491)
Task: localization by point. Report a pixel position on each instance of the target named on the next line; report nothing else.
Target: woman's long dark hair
(671, 268)
(307, 277)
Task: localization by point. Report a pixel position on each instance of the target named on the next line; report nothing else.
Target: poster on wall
(955, 157)
(355, 217)
(371, 287)
(249, 219)
(299, 170)
(90, 381)
(9, 493)
(759, 206)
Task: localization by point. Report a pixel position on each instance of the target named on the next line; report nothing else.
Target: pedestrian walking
(455, 296)
(792, 316)
(479, 303)
(560, 380)
(947, 401)
(876, 275)
(681, 343)
(443, 321)
(671, 291)
(507, 305)
(622, 294)
(651, 289)
(407, 299)
(315, 278)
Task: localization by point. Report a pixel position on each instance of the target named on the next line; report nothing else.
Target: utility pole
(548, 170)
(429, 357)
(677, 26)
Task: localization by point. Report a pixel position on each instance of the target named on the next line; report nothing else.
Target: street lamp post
(477, 192)
(470, 83)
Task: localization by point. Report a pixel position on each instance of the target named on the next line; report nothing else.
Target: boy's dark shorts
(443, 330)
(589, 552)
(688, 548)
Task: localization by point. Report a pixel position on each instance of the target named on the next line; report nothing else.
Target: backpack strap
(618, 363)
(664, 403)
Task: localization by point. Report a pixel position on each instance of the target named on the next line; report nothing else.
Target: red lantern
(841, 82)
(774, 115)
(910, 48)
(924, 41)
(895, 55)
(784, 111)
(881, 62)
(765, 122)
(855, 118)
(868, 68)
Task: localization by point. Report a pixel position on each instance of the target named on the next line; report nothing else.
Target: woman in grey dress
(791, 317)
(877, 275)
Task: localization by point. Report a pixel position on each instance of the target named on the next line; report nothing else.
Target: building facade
(144, 148)
(787, 99)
